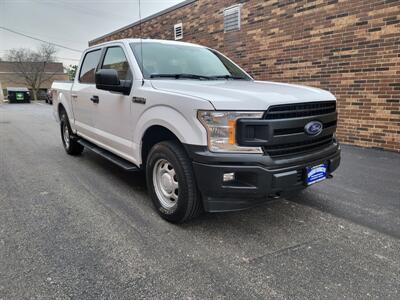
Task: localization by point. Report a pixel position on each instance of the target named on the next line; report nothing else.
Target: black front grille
(282, 130)
(298, 110)
(285, 131)
(299, 148)
(288, 122)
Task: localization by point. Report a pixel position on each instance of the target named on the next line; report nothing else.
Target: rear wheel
(171, 182)
(69, 140)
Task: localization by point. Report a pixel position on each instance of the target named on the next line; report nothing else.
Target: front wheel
(171, 182)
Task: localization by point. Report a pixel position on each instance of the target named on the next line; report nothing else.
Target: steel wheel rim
(165, 183)
(66, 135)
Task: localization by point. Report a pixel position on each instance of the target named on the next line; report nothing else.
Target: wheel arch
(63, 104)
(60, 109)
(165, 123)
(153, 135)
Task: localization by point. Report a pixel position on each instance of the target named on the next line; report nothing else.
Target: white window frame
(227, 11)
(175, 27)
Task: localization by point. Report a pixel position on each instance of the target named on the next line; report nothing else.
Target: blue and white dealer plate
(316, 174)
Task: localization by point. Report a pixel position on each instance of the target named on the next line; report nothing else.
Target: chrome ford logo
(313, 128)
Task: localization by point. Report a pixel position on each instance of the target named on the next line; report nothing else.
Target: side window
(115, 59)
(89, 65)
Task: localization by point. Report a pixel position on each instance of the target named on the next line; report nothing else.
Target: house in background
(10, 78)
(350, 48)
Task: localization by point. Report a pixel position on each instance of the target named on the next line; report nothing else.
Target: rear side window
(115, 59)
(89, 66)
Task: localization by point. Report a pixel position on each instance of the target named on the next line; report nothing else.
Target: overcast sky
(71, 23)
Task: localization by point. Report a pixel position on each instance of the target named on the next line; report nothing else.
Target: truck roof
(145, 41)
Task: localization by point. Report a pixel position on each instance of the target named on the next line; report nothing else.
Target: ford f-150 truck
(208, 136)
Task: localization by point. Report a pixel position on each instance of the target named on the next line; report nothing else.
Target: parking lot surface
(81, 228)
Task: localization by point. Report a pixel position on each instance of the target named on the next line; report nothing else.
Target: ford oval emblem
(313, 128)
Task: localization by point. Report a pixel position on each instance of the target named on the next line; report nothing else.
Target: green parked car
(18, 95)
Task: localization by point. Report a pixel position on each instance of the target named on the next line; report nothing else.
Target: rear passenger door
(82, 93)
(113, 120)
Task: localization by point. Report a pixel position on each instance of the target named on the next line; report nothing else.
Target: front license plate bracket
(316, 173)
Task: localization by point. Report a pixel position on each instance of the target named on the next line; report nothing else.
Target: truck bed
(62, 85)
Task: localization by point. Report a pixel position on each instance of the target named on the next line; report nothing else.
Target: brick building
(350, 47)
(9, 76)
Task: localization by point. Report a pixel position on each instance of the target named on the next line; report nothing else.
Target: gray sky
(71, 23)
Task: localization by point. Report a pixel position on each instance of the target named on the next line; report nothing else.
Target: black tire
(188, 203)
(71, 145)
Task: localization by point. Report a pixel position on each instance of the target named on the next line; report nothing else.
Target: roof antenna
(141, 41)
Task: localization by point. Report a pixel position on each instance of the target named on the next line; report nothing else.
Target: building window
(178, 31)
(232, 18)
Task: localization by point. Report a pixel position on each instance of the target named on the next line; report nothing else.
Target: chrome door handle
(74, 96)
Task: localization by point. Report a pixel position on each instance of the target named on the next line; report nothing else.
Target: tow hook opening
(274, 196)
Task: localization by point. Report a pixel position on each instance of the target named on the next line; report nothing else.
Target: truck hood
(243, 95)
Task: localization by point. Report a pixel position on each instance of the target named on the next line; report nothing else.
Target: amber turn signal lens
(231, 132)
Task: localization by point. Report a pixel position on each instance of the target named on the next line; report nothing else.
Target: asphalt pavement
(81, 228)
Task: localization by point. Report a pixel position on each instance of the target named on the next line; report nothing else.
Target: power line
(40, 40)
(59, 57)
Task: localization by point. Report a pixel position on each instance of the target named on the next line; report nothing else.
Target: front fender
(187, 129)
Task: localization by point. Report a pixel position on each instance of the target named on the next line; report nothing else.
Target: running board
(124, 164)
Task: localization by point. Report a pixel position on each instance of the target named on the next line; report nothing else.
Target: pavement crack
(279, 251)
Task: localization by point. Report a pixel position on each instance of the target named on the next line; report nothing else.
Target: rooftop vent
(178, 31)
(232, 18)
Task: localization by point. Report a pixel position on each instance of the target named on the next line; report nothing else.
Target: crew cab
(207, 135)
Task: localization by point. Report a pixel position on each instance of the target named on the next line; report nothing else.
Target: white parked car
(208, 136)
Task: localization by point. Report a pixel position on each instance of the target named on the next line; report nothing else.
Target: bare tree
(32, 66)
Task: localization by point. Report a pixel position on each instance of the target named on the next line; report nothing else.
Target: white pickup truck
(208, 136)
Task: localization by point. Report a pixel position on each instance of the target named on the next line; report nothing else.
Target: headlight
(221, 130)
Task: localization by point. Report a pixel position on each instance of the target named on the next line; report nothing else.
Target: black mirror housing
(108, 80)
(107, 77)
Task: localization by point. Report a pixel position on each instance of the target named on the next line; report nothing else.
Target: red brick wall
(349, 47)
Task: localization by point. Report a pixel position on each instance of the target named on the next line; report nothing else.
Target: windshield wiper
(227, 77)
(179, 76)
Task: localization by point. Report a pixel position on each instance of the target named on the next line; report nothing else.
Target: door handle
(74, 96)
(95, 99)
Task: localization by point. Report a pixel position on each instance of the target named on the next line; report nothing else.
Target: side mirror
(108, 80)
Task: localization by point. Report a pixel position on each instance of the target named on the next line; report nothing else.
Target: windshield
(162, 60)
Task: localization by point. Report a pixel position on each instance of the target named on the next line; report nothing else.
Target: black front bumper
(257, 177)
